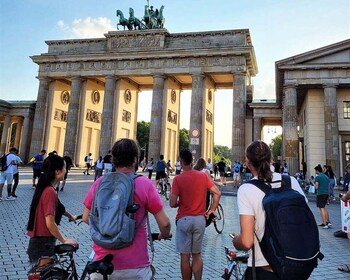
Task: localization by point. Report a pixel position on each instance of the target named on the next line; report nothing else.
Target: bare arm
(53, 228)
(216, 198)
(245, 240)
(86, 214)
(173, 201)
(163, 224)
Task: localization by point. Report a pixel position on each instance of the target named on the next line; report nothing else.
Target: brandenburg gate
(88, 90)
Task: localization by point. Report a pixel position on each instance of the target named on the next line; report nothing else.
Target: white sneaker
(10, 198)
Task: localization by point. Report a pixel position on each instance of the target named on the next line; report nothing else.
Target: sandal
(344, 268)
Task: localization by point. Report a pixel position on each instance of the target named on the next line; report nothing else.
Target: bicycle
(164, 187)
(62, 266)
(219, 219)
(236, 264)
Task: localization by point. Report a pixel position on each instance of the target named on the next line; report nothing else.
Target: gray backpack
(112, 223)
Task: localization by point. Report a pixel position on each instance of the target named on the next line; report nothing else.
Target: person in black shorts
(160, 169)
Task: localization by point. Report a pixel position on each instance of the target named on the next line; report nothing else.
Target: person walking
(322, 187)
(42, 227)
(98, 168)
(222, 171)
(251, 211)
(236, 174)
(88, 160)
(188, 194)
(37, 163)
(69, 163)
(107, 162)
(150, 168)
(16, 174)
(178, 167)
(132, 262)
(7, 174)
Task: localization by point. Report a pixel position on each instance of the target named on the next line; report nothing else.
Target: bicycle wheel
(160, 188)
(167, 191)
(219, 221)
(55, 274)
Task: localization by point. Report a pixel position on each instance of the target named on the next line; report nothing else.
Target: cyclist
(132, 262)
(160, 169)
(46, 211)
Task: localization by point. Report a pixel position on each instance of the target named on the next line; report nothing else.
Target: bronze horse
(122, 20)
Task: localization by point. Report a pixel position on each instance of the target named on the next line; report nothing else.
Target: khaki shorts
(189, 234)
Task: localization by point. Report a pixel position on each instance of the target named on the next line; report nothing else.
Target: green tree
(276, 147)
(184, 139)
(142, 137)
(222, 152)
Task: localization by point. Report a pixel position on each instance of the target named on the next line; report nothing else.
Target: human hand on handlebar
(71, 241)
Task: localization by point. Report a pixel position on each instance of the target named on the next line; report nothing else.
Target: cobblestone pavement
(13, 238)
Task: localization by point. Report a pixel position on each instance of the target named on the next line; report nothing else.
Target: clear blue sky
(279, 29)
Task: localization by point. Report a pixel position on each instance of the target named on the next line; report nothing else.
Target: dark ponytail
(48, 173)
(259, 155)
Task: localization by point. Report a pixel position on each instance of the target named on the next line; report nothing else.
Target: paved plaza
(13, 238)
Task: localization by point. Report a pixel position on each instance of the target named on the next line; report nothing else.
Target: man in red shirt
(188, 192)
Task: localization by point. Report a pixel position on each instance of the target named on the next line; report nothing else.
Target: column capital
(159, 75)
(239, 73)
(44, 79)
(330, 85)
(112, 77)
(202, 75)
(290, 85)
(77, 78)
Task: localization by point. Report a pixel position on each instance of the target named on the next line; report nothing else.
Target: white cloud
(86, 28)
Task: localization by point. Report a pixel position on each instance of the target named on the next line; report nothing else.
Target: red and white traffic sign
(195, 133)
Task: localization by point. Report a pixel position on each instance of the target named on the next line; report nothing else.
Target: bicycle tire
(55, 274)
(167, 191)
(160, 188)
(219, 221)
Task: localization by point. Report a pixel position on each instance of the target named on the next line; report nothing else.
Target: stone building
(88, 90)
(313, 107)
(88, 93)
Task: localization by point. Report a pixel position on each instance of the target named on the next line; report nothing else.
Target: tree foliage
(184, 139)
(276, 147)
(222, 152)
(142, 137)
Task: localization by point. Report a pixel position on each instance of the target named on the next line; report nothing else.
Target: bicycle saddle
(65, 248)
(104, 266)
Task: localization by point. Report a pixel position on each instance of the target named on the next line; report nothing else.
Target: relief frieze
(136, 64)
(60, 115)
(172, 117)
(135, 42)
(93, 116)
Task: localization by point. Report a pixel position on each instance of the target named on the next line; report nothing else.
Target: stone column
(24, 143)
(290, 133)
(70, 143)
(40, 117)
(19, 126)
(257, 128)
(238, 117)
(196, 116)
(331, 128)
(154, 146)
(108, 116)
(5, 134)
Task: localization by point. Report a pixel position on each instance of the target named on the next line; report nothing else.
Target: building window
(347, 152)
(346, 109)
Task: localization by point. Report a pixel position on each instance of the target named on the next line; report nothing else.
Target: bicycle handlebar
(154, 236)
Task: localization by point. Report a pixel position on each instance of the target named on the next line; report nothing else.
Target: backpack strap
(260, 185)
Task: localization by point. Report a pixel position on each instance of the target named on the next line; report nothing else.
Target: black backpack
(85, 158)
(290, 243)
(3, 161)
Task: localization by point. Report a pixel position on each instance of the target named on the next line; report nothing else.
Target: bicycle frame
(235, 264)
